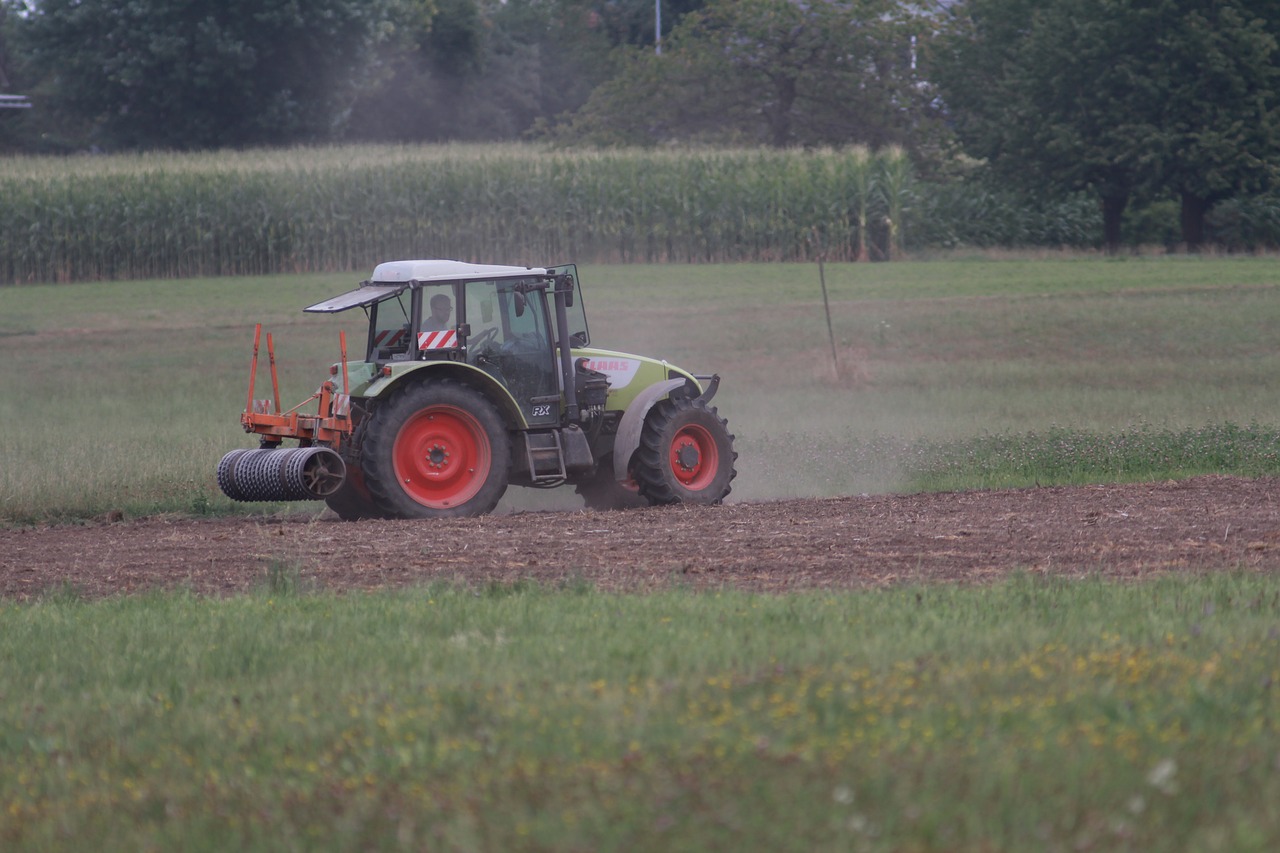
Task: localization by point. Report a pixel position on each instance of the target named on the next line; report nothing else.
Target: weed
(284, 578)
(65, 592)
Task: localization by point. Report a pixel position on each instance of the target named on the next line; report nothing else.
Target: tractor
(476, 377)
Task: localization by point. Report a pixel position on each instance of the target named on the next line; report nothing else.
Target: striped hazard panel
(438, 340)
(390, 338)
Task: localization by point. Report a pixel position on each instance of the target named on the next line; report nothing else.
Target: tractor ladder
(546, 456)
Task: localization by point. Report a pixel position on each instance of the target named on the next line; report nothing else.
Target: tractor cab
(499, 319)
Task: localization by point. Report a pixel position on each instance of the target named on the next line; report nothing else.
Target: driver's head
(440, 307)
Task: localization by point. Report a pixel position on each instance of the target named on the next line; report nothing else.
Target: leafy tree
(484, 69)
(15, 124)
(191, 74)
(776, 72)
(632, 22)
(4, 54)
(1219, 133)
(1119, 97)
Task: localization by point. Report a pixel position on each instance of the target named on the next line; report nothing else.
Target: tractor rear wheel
(436, 449)
(686, 454)
(352, 501)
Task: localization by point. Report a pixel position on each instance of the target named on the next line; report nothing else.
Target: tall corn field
(346, 208)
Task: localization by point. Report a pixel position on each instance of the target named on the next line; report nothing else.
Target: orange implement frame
(331, 424)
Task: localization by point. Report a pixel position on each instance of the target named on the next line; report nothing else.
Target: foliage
(339, 209)
(631, 22)
(14, 133)
(171, 74)
(973, 212)
(1035, 713)
(1116, 98)
(771, 72)
(181, 74)
(4, 50)
(1249, 222)
(262, 211)
(480, 71)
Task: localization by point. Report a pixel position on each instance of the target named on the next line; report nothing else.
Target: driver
(439, 319)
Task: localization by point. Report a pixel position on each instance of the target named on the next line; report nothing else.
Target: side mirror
(520, 303)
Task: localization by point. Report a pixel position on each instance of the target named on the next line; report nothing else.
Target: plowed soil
(1125, 531)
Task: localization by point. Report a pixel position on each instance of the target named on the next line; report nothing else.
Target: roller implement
(476, 377)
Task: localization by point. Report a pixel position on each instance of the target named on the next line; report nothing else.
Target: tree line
(1131, 101)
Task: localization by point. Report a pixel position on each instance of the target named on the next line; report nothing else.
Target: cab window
(390, 331)
(509, 337)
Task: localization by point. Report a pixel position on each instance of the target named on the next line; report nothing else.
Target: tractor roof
(394, 276)
(447, 271)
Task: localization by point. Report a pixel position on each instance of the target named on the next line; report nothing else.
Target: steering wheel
(482, 338)
(525, 342)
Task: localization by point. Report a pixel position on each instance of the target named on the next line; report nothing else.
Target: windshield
(510, 341)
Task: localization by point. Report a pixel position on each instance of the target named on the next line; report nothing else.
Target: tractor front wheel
(686, 454)
(436, 449)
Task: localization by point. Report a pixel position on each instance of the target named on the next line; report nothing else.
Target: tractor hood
(394, 277)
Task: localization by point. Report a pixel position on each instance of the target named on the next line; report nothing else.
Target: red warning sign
(438, 340)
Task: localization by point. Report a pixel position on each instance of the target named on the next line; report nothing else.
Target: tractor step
(546, 456)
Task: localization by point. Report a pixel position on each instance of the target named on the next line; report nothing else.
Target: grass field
(1034, 715)
(124, 395)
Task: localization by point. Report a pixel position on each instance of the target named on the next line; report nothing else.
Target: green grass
(124, 395)
(1057, 456)
(1034, 714)
(1045, 714)
(1074, 457)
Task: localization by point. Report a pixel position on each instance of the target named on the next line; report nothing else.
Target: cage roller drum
(279, 474)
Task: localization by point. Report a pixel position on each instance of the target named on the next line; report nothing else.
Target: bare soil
(1124, 531)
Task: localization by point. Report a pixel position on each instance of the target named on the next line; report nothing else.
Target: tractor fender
(459, 372)
(627, 439)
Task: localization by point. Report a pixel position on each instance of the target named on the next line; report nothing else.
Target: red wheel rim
(694, 457)
(442, 457)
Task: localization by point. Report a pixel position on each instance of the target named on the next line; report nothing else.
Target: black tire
(686, 454)
(352, 501)
(603, 492)
(436, 449)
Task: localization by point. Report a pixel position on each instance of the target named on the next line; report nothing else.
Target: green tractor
(475, 377)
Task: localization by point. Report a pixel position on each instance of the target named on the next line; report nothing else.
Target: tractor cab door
(510, 338)
(391, 328)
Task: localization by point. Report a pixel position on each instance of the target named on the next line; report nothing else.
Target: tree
(15, 124)
(632, 22)
(777, 72)
(191, 74)
(4, 54)
(484, 69)
(1117, 97)
(1220, 133)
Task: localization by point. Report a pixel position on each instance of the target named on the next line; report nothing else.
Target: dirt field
(1129, 531)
